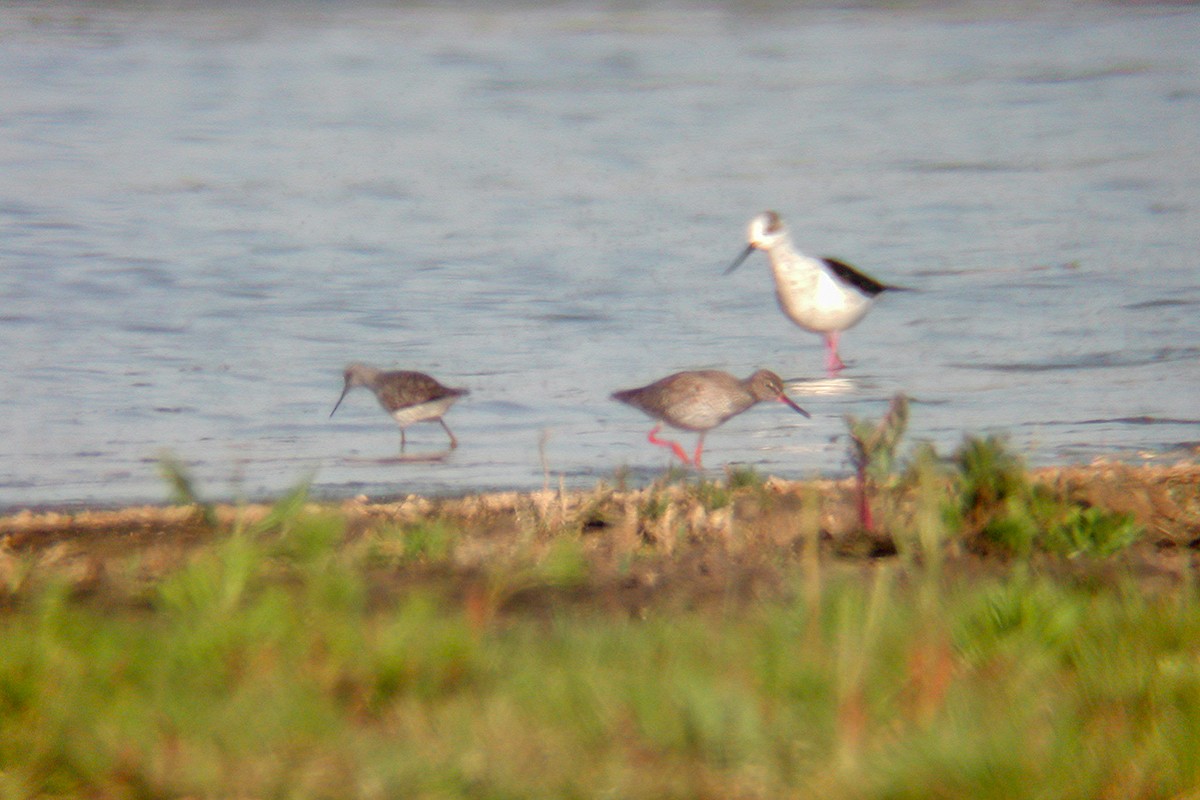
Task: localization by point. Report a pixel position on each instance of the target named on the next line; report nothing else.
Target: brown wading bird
(700, 401)
(408, 396)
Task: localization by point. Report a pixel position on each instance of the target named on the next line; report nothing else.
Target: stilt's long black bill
(783, 398)
(340, 399)
(738, 261)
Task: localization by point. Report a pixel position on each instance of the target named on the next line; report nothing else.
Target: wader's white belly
(423, 412)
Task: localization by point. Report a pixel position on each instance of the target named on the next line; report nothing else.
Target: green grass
(301, 656)
(282, 661)
(999, 507)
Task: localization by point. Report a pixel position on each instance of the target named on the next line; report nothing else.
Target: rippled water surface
(205, 213)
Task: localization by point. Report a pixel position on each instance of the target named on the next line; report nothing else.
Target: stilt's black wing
(864, 283)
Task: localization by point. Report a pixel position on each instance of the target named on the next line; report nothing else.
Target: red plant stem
(864, 508)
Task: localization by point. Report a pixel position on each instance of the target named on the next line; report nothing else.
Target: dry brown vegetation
(681, 543)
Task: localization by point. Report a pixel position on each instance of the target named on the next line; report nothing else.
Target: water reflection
(432, 457)
(818, 387)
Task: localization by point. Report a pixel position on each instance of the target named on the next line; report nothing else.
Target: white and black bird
(820, 294)
(408, 396)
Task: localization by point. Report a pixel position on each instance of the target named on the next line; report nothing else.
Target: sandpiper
(700, 401)
(820, 294)
(408, 396)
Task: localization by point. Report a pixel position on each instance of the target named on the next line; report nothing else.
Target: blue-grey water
(207, 210)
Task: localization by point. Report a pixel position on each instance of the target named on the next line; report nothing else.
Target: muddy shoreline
(681, 541)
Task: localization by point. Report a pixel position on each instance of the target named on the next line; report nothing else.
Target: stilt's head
(356, 375)
(764, 232)
(766, 385)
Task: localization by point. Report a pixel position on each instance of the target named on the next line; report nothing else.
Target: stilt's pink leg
(653, 439)
(699, 450)
(832, 362)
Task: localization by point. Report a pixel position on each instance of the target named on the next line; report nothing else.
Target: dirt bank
(683, 541)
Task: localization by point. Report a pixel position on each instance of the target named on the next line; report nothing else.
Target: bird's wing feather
(403, 389)
(864, 283)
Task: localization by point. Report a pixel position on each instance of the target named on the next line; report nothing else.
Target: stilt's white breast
(812, 296)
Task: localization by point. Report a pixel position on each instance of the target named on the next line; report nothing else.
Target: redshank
(408, 396)
(822, 294)
(700, 401)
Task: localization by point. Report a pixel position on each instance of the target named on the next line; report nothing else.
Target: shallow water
(206, 213)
